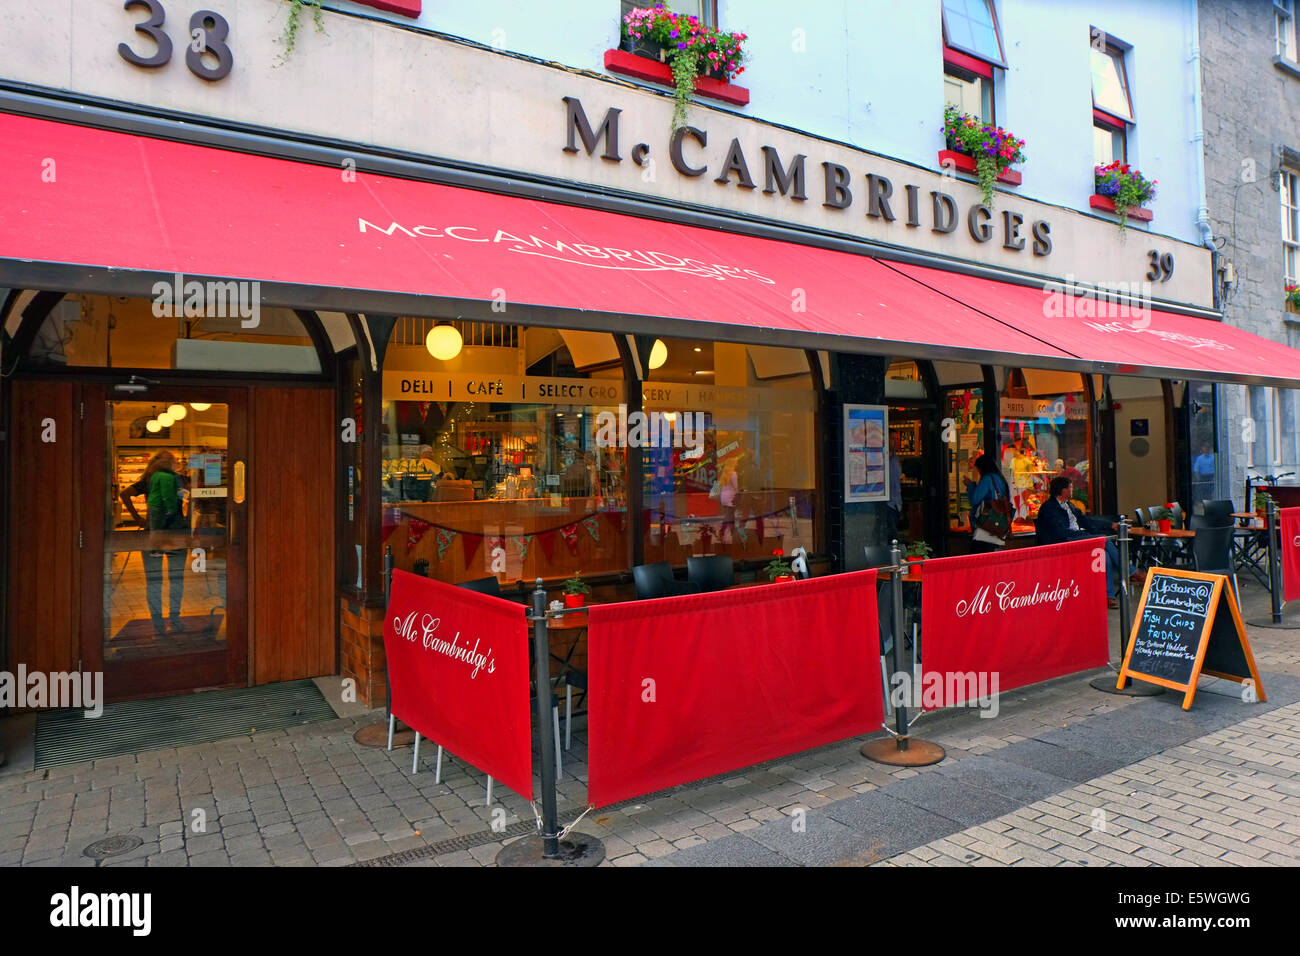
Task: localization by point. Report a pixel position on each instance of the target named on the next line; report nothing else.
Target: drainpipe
(1203, 223)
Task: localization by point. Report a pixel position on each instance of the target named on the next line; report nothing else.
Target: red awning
(129, 202)
(1123, 339)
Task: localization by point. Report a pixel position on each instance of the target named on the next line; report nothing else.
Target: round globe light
(166, 421)
(444, 342)
(152, 426)
(658, 354)
(177, 412)
(200, 406)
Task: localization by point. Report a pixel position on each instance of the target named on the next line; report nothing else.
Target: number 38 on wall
(208, 34)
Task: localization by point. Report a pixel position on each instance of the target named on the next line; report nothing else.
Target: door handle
(239, 482)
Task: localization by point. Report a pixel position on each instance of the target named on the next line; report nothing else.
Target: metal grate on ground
(134, 726)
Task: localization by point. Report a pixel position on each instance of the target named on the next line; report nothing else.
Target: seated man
(1059, 520)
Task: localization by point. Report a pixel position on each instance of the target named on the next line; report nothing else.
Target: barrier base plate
(578, 849)
(887, 750)
(376, 735)
(1286, 624)
(1134, 688)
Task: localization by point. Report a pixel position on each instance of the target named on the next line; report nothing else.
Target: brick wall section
(362, 637)
(1251, 109)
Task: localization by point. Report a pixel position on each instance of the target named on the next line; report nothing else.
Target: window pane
(1043, 436)
(966, 408)
(969, 26)
(973, 95)
(1109, 91)
(1107, 145)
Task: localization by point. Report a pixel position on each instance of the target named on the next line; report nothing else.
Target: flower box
(1108, 204)
(963, 163)
(407, 8)
(653, 71)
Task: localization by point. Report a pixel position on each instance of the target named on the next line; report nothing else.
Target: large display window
(1046, 430)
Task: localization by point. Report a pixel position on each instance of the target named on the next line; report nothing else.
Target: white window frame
(1289, 182)
(1284, 31)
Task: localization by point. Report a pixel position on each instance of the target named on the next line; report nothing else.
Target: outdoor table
(1175, 535)
(1250, 546)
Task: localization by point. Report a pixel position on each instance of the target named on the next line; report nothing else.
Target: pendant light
(177, 412)
(165, 420)
(152, 426)
(444, 342)
(200, 406)
(658, 354)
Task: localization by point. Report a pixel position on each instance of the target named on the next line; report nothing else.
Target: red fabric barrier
(1027, 615)
(688, 687)
(458, 668)
(1290, 554)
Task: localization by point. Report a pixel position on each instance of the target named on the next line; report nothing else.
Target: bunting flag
(471, 543)
(617, 520)
(521, 542)
(445, 537)
(742, 532)
(415, 531)
(547, 540)
(570, 534)
(758, 528)
(593, 527)
(392, 518)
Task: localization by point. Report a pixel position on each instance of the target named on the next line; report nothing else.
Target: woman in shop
(990, 507)
(162, 490)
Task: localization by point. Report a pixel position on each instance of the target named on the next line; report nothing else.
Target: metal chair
(656, 581)
(714, 572)
(878, 555)
(1212, 553)
(1177, 511)
(490, 586)
(1221, 509)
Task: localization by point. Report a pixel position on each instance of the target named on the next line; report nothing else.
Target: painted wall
(869, 72)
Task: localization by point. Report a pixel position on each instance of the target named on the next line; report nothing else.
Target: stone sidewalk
(313, 796)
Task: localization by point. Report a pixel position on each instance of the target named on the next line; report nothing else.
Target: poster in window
(866, 453)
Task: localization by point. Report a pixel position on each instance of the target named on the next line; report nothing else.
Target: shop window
(903, 380)
(1109, 142)
(1284, 30)
(971, 27)
(99, 331)
(965, 406)
(1046, 430)
(1290, 227)
(742, 479)
(493, 462)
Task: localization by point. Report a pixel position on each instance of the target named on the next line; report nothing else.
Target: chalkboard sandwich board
(1188, 624)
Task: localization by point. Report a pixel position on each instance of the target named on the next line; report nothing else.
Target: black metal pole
(388, 589)
(1274, 577)
(896, 584)
(542, 655)
(1125, 621)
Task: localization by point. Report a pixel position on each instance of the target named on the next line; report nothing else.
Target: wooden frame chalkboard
(1180, 634)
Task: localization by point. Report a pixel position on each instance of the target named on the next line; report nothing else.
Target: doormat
(134, 726)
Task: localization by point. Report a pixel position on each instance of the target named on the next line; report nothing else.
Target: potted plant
(1262, 498)
(1163, 516)
(917, 552)
(1292, 298)
(991, 147)
(575, 591)
(1124, 186)
(690, 48)
(778, 569)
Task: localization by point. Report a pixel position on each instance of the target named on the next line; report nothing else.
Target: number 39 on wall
(208, 34)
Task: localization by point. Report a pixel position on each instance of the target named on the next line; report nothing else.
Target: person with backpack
(167, 526)
(990, 507)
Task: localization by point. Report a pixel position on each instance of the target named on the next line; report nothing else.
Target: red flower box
(643, 68)
(967, 165)
(407, 8)
(1108, 204)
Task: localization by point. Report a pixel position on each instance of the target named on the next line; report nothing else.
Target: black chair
(490, 586)
(878, 555)
(715, 572)
(1212, 553)
(656, 581)
(1177, 515)
(1220, 510)
(1208, 520)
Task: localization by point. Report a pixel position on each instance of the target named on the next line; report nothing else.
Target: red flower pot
(575, 600)
(1165, 525)
(914, 567)
(782, 577)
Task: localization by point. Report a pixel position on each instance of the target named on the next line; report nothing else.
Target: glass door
(171, 603)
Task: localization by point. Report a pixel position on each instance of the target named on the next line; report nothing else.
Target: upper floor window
(1284, 28)
(971, 27)
(706, 10)
(1290, 228)
(1112, 108)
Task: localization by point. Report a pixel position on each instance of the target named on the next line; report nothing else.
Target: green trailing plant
(575, 585)
(991, 147)
(1125, 186)
(690, 47)
(289, 36)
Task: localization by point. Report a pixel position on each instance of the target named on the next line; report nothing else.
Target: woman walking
(990, 507)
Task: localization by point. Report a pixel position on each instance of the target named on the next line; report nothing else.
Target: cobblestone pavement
(1056, 752)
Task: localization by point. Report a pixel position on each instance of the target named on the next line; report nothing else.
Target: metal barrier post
(388, 590)
(902, 750)
(1125, 608)
(1274, 565)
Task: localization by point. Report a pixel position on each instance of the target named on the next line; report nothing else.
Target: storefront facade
(544, 335)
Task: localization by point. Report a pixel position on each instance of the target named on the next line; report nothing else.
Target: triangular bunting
(570, 534)
(592, 526)
(471, 543)
(547, 540)
(445, 537)
(415, 531)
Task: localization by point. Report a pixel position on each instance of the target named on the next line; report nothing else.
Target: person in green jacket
(161, 488)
